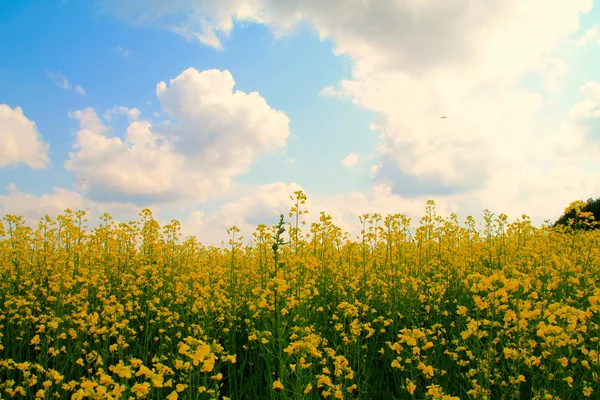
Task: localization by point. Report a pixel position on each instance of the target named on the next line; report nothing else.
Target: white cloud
(32, 207)
(132, 113)
(350, 160)
(80, 90)
(460, 59)
(62, 82)
(590, 36)
(330, 91)
(261, 204)
(121, 50)
(20, 141)
(556, 71)
(411, 35)
(209, 21)
(414, 63)
(89, 120)
(589, 107)
(215, 134)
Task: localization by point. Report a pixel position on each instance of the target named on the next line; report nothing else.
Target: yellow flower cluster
(439, 311)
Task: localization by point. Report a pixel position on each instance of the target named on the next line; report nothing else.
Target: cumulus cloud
(556, 71)
(411, 35)
(89, 120)
(590, 36)
(414, 63)
(214, 133)
(257, 205)
(264, 203)
(132, 113)
(208, 23)
(33, 207)
(350, 160)
(330, 91)
(20, 141)
(589, 106)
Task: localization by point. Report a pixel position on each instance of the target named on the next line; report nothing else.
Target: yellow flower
(278, 385)
(118, 389)
(217, 377)
(308, 388)
(427, 370)
(232, 359)
(411, 387)
(183, 348)
(140, 389)
(173, 395)
(563, 361)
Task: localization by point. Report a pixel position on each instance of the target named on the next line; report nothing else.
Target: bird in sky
(444, 117)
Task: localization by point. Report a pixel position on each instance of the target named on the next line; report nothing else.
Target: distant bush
(581, 215)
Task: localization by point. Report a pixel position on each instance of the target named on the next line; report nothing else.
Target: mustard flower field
(445, 311)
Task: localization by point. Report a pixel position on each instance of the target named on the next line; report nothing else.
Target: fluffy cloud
(255, 205)
(214, 134)
(89, 120)
(350, 160)
(590, 36)
(414, 63)
(264, 203)
(32, 207)
(20, 141)
(209, 21)
(412, 35)
(556, 72)
(132, 113)
(589, 107)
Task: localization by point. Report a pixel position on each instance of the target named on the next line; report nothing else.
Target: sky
(213, 112)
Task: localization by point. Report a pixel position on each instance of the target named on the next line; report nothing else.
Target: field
(508, 311)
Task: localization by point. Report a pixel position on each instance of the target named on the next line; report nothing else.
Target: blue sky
(511, 139)
(81, 44)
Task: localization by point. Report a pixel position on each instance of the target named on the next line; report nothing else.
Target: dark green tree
(581, 216)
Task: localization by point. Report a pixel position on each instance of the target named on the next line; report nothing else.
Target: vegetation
(130, 311)
(581, 216)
